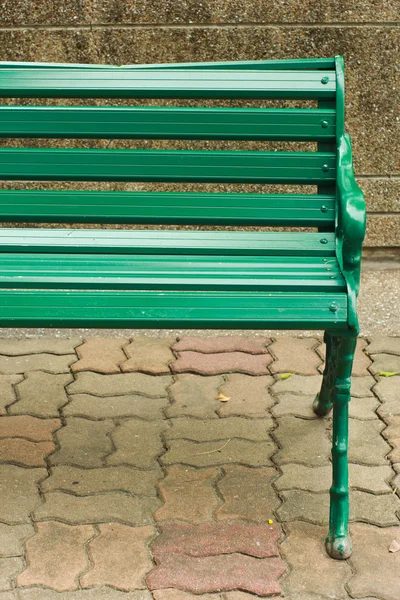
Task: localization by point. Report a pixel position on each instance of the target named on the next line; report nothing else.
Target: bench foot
(339, 547)
(320, 407)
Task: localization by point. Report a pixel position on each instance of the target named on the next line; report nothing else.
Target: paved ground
(125, 474)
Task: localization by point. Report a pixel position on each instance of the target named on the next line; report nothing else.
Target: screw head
(324, 124)
(333, 307)
(324, 208)
(325, 167)
(323, 241)
(325, 80)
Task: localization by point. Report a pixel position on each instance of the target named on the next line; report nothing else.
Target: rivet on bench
(325, 167)
(324, 208)
(324, 124)
(323, 241)
(325, 80)
(333, 307)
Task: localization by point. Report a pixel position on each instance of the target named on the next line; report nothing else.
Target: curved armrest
(351, 212)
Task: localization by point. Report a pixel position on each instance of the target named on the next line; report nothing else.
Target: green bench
(306, 277)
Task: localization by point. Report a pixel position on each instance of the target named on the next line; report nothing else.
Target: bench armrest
(351, 217)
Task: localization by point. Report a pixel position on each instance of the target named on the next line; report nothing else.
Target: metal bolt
(324, 208)
(325, 167)
(323, 241)
(333, 307)
(324, 124)
(325, 80)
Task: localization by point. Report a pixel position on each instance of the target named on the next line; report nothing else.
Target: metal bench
(197, 278)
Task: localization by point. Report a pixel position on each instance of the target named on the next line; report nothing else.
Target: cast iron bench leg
(335, 392)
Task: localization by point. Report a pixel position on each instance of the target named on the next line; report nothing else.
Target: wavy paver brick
(50, 363)
(19, 492)
(208, 454)
(366, 444)
(188, 494)
(101, 355)
(219, 429)
(120, 557)
(248, 396)
(223, 362)
(41, 394)
(56, 556)
(377, 571)
(120, 385)
(9, 568)
(229, 343)
(7, 393)
(96, 593)
(306, 385)
(361, 359)
(30, 428)
(311, 569)
(83, 482)
(98, 508)
(149, 355)
(218, 573)
(83, 443)
(302, 441)
(247, 494)
(212, 539)
(385, 362)
(173, 594)
(132, 405)
(194, 396)
(137, 443)
(13, 538)
(295, 355)
(301, 406)
(12, 347)
(387, 390)
(25, 453)
(384, 345)
(392, 434)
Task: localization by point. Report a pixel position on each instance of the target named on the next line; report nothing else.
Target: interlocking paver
(311, 569)
(41, 394)
(295, 355)
(119, 385)
(83, 443)
(384, 345)
(8, 595)
(392, 434)
(385, 363)
(218, 573)
(361, 386)
(9, 568)
(377, 571)
(98, 508)
(30, 428)
(301, 406)
(13, 538)
(307, 385)
(96, 593)
(248, 396)
(56, 556)
(396, 481)
(219, 429)
(302, 441)
(223, 362)
(248, 494)
(363, 408)
(50, 363)
(7, 393)
(208, 454)
(19, 492)
(318, 479)
(361, 360)
(98, 407)
(300, 505)
(188, 494)
(216, 538)
(12, 347)
(229, 343)
(173, 594)
(149, 355)
(387, 390)
(366, 445)
(24, 452)
(102, 355)
(108, 479)
(120, 557)
(137, 443)
(195, 396)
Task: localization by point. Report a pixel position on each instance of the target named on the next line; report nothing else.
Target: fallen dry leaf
(222, 398)
(394, 546)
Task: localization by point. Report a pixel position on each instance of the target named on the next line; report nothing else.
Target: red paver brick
(224, 362)
(361, 360)
(248, 396)
(56, 556)
(30, 428)
(102, 355)
(24, 452)
(149, 355)
(295, 355)
(225, 572)
(229, 343)
(216, 538)
(120, 557)
(188, 494)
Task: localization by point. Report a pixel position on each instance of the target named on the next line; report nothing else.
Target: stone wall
(138, 31)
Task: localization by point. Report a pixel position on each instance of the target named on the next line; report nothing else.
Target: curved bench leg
(338, 543)
(323, 401)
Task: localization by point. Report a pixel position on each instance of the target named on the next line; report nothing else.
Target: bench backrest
(320, 80)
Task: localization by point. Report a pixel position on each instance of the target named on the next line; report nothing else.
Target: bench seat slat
(168, 123)
(164, 83)
(167, 165)
(167, 242)
(167, 207)
(146, 272)
(245, 310)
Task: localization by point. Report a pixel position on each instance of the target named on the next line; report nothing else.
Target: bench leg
(323, 401)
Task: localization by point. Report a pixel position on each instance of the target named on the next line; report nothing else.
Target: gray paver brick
(102, 355)
(208, 454)
(7, 393)
(249, 396)
(9, 568)
(384, 345)
(18, 492)
(49, 363)
(307, 385)
(387, 390)
(83, 443)
(99, 508)
(96, 593)
(295, 355)
(392, 434)
(363, 408)
(13, 347)
(302, 441)
(366, 445)
(195, 396)
(385, 362)
(13, 537)
(137, 443)
(41, 394)
(97, 407)
(120, 384)
(361, 386)
(149, 355)
(219, 429)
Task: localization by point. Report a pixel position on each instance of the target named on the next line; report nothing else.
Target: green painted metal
(168, 242)
(168, 123)
(166, 165)
(301, 210)
(245, 310)
(153, 83)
